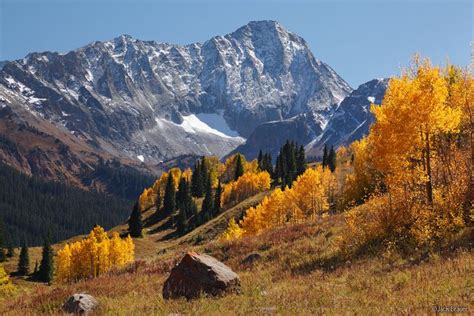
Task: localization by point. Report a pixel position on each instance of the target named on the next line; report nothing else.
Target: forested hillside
(31, 207)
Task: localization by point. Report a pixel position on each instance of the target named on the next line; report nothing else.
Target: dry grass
(291, 278)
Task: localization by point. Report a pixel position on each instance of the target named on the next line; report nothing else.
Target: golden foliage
(93, 256)
(247, 185)
(307, 199)
(6, 285)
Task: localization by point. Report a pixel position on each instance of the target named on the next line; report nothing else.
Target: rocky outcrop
(198, 274)
(80, 304)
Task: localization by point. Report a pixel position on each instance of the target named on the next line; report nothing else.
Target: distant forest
(31, 207)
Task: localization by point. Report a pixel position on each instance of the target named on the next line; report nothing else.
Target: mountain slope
(133, 98)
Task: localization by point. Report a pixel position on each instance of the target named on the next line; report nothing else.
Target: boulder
(251, 259)
(81, 304)
(200, 273)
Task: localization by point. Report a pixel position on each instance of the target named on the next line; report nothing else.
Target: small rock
(81, 304)
(250, 259)
(200, 273)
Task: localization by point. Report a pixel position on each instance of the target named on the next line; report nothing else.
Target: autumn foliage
(408, 182)
(94, 255)
(247, 185)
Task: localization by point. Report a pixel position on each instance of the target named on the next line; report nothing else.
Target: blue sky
(361, 40)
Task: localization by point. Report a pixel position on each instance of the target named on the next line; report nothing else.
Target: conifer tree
(260, 160)
(3, 255)
(10, 251)
(35, 270)
(217, 199)
(239, 167)
(332, 159)
(46, 268)
(24, 261)
(169, 201)
(300, 161)
(135, 223)
(197, 181)
(325, 156)
(207, 208)
(182, 219)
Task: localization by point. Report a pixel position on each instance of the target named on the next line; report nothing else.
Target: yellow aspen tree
(63, 264)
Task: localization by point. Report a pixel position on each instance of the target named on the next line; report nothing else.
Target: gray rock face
(198, 274)
(80, 304)
(137, 97)
(352, 118)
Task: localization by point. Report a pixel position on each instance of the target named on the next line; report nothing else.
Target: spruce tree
(332, 159)
(217, 200)
(24, 261)
(300, 161)
(207, 208)
(197, 180)
(135, 223)
(325, 156)
(239, 167)
(260, 160)
(169, 201)
(46, 268)
(182, 219)
(3, 255)
(10, 251)
(35, 270)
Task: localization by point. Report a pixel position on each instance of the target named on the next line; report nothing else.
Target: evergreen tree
(239, 167)
(260, 160)
(207, 208)
(182, 219)
(3, 255)
(217, 200)
(197, 181)
(46, 268)
(300, 161)
(10, 251)
(169, 201)
(325, 156)
(35, 270)
(332, 159)
(135, 223)
(24, 261)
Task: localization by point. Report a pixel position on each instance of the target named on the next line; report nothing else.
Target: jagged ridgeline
(31, 207)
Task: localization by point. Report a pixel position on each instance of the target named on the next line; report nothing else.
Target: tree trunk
(429, 183)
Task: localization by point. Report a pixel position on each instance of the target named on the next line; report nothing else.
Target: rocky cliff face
(140, 98)
(144, 102)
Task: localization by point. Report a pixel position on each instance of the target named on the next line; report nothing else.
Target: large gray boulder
(197, 274)
(81, 304)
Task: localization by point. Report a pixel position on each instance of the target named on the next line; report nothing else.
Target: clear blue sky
(361, 40)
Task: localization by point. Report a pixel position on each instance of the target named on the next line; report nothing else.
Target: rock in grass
(80, 304)
(251, 259)
(197, 274)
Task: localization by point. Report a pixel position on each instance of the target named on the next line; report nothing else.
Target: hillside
(299, 273)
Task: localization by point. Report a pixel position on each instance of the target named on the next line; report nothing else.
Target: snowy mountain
(352, 118)
(140, 98)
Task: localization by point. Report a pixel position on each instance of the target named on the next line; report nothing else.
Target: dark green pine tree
(3, 255)
(217, 200)
(197, 186)
(182, 220)
(260, 160)
(207, 208)
(35, 270)
(239, 167)
(169, 200)
(300, 161)
(46, 268)
(325, 156)
(135, 223)
(332, 159)
(10, 251)
(268, 163)
(24, 261)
